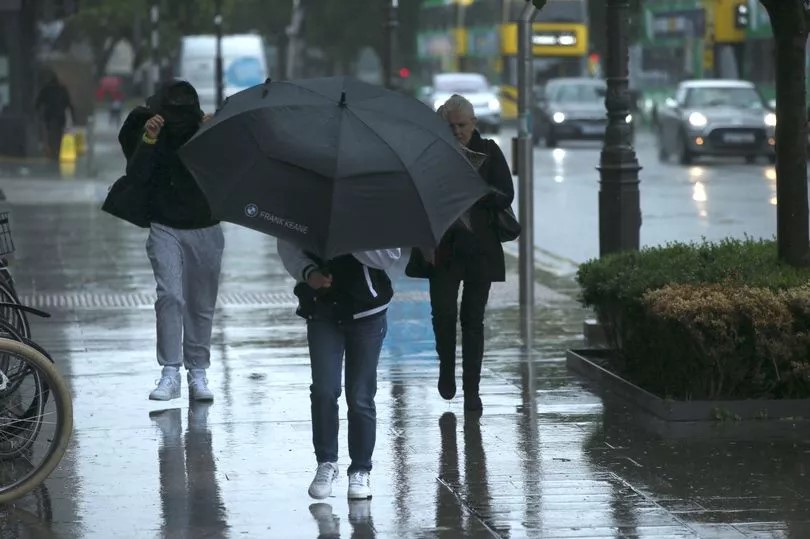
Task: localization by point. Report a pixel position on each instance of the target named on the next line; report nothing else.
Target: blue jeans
(361, 342)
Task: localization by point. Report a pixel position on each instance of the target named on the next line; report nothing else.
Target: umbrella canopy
(333, 164)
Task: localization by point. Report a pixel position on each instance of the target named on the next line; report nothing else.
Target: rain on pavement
(549, 458)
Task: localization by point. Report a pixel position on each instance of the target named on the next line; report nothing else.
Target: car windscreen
(466, 84)
(740, 98)
(579, 93)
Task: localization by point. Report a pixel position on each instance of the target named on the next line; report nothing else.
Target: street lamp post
(219, 75)
(525, 169)
(391, 25)
(154, 67)
(619, 208)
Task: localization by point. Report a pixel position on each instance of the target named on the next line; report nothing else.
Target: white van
(244, 64)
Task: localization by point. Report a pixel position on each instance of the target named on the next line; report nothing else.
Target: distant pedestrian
(185, 242)
(116, 107)
(53, 103)
(344, 301)
(470, 253)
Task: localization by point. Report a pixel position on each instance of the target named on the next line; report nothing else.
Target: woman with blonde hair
(472, 254)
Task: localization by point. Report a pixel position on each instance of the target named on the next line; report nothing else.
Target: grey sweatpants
(186, 264)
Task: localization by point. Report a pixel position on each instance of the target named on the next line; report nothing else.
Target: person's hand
(154, 125)
(318, 280)
(207, 117)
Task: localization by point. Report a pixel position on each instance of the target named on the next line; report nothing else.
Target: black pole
(154, 75)
(218, 74)
(389, 62)
(619, 208)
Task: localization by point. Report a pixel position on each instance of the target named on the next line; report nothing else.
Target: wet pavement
(549, 458)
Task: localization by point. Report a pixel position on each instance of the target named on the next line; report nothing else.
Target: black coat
(157, 187)
(475, 253)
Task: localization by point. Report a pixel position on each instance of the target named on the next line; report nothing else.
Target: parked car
(475, 88)
(717, 118)
(571, 109)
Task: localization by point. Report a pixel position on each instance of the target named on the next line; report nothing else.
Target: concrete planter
(738, 419)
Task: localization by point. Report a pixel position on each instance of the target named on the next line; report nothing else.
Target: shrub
(705, 321)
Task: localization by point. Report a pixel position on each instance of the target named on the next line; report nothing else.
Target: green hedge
(705, 321)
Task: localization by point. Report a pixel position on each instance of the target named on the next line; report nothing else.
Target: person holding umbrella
(344, 301)
(185, 242)
(470, 252)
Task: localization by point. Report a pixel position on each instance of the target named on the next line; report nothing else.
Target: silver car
(476, 89)
(716, 118)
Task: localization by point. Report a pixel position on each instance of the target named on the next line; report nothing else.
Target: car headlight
(628, 119)
(770, 119)
(697, 119)
(494, 104)
(558, 117)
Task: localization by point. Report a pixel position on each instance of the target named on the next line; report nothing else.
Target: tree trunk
(788, 20)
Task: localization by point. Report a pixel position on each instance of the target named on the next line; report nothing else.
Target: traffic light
(742, 16)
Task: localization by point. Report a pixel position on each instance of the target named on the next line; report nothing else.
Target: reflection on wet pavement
(548, 458)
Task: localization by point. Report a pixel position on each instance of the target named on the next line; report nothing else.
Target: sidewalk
(548, 458)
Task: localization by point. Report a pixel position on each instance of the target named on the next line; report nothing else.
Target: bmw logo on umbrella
(251, 210)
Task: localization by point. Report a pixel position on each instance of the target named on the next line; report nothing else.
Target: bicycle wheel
(15, 317)
(53, 421)
(25, 412)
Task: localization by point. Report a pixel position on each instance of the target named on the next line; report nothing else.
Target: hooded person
(185, 242)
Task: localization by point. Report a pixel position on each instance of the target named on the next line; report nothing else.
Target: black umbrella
(335, 165)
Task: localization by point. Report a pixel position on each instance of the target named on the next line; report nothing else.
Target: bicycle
(8, 293)
(30, 432)
(29, 384)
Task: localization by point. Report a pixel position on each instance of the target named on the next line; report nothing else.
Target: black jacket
(475, 253)
(175, 200)
(157, 186)
(357, 292)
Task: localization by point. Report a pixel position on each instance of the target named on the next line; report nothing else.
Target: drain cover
(68, 301)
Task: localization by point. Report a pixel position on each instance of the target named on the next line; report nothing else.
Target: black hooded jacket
(175, 199)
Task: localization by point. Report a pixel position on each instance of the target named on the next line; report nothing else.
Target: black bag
(129, 200)
(418, 267)
(507, 225)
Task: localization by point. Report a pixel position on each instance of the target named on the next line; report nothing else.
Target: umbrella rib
(427, 217)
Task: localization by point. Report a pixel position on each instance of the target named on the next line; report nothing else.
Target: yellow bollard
(81, 144)
(67, 153)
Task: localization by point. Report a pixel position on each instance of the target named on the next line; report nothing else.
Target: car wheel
(685, 156)
(551, 139)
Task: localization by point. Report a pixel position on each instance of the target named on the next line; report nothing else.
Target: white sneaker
(168, 386)
(325, 476)
(359, 486)
(198, 389)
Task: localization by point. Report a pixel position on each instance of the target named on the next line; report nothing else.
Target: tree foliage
(341, 29)
(103, 23)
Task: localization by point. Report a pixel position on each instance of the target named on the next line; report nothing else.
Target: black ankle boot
(472, 402)
(447, 379)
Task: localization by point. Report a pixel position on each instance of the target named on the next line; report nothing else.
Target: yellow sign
(708, 58)
(723, 20)
(549, 39)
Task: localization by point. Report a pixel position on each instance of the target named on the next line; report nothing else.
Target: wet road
(714, 199)
(549, 458)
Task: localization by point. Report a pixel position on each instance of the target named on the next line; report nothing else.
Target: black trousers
(444, 288)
